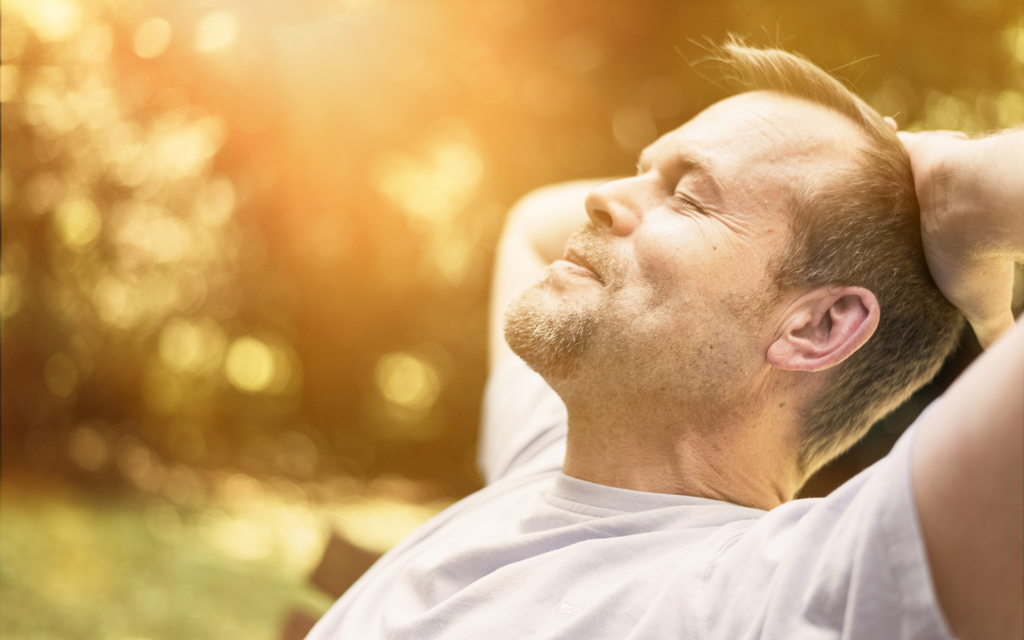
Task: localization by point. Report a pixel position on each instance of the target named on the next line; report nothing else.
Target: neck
(731, 453)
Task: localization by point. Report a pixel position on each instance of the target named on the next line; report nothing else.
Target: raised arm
(968, 462)
(534, 237)
(971, 194)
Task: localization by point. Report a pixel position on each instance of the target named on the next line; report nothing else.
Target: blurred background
(246, 252)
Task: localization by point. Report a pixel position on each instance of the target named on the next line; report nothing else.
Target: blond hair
(857, 225)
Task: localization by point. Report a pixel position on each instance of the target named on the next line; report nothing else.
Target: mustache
(598, 251)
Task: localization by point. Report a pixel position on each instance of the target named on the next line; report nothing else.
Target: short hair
(857, 226)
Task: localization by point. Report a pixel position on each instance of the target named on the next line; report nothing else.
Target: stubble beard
(549, 338)
(552, 336)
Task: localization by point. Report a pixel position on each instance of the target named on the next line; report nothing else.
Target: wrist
(973, 209)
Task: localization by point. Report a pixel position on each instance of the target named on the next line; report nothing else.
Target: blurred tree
(258, 234)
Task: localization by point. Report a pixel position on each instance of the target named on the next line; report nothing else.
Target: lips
(580, 261)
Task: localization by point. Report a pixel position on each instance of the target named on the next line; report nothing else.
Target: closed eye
(686, 202)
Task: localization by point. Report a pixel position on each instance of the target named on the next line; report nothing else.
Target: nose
(613, 206)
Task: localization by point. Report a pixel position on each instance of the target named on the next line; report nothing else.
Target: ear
(824, 327)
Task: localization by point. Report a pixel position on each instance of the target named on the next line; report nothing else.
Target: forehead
(753, 134)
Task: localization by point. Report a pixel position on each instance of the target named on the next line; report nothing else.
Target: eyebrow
(684, 162)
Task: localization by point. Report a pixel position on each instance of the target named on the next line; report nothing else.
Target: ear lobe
(824, 328)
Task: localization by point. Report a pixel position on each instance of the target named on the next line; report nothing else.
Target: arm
(971, 194)
(534, 237)
(968, 459)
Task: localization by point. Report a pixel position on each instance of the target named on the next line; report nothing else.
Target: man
(730, 318)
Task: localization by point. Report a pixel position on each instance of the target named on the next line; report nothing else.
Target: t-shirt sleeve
(849, 566)
(524, 424)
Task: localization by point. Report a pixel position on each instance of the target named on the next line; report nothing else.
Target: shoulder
(856, 555)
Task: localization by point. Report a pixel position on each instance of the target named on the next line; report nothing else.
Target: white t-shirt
(537, 554)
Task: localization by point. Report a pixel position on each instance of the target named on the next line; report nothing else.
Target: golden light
(161, 390)
(579, 148)
(286, 369)
(60, 375)
(187, 347)
(216, 31)
(185, 150)
(113, 303)
(47, 103)
(452, 254)
(6, 189)
(1013, 38)
(88, 449)
(945, 111)
(216, 202)
(300, 535)
(407, 381)
(503, 13)
(9, 77)
(244, 493)
(663, 96)
(431, 191)
(12, 43)
(377, 524)
(152, 38)
(162, 237)
(634, 127)
(78, 223)
(580, 53)
(1010, 108)
(241, 538)
(249, 366)
(139, 465)
(164, 522)
(43, 192)
(52, 20)
(402, 61)
(10, 294)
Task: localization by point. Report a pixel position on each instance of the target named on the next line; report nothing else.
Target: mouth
(581, 263)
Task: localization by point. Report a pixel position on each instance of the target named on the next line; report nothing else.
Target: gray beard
(551, 340)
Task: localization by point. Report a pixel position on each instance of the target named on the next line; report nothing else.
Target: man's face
(658, 294)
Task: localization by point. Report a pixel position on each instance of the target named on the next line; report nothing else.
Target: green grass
(74, 567)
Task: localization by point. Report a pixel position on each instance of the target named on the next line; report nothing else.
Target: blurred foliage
(222, 556)
(257, 235)
(106, 576)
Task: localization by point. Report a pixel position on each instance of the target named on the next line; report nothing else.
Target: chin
(549, 333)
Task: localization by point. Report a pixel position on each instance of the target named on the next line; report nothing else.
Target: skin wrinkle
(684, 164)
(705, 167)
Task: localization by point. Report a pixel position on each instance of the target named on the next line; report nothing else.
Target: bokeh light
(78, 222)
(246, 255)
(249, 365)
(152, 37)
(51, 20)
(216, 31)
(407, 381)
(9, 79)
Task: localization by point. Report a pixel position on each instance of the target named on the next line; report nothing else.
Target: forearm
(548, 216)
(971, 194)
(534, 237)
(977, 189)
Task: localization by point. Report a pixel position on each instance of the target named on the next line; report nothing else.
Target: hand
(971, 222)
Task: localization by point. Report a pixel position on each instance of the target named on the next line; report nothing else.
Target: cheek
(690, 255)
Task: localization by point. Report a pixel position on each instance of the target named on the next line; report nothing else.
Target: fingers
(909, 137)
